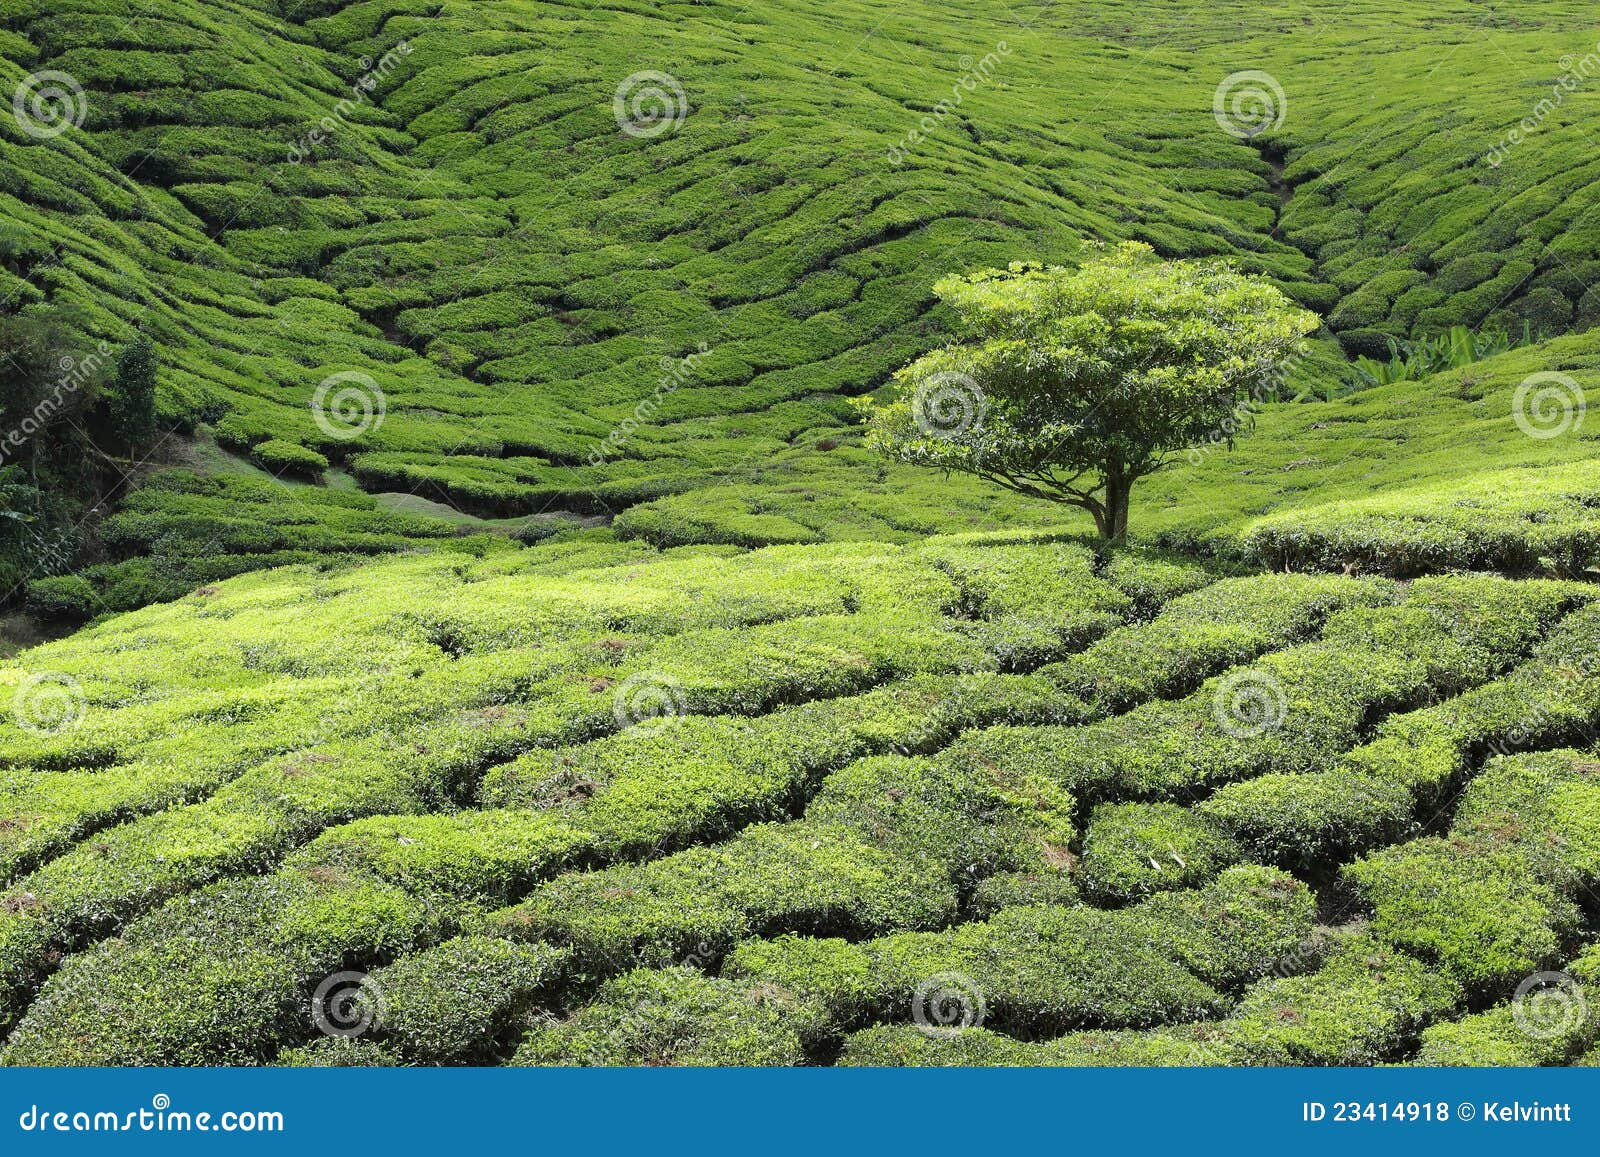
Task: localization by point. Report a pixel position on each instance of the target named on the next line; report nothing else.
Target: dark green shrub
(1023, 890)
(1472, 907)
(281, 457)
(1042, 970)
(69, 597)
(131, 395)
(1551, 1023)
(1363, 1006)
(1308, 822)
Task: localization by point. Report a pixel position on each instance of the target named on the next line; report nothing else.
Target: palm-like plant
(1412, 360)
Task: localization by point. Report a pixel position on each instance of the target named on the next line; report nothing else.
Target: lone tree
(1072, 384)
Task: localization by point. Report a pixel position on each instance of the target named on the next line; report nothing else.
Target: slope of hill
(542, 278)
(670, 726)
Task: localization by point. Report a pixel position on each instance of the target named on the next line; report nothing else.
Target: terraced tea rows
(770, 796)
(544, 672)
(517, 271)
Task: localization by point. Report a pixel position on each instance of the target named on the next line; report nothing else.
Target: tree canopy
(1071, 384)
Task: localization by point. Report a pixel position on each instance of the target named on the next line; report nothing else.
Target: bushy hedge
(889, 843)
(1314, 700)
(1373, 795)
(1551, 1024)
(1494, 902)
(69, 597)
(1041, 970)
(282, 457)
(1363, 1006)
(1198, 634)
(463, 1001)
(1131, 850)
(675, 1016)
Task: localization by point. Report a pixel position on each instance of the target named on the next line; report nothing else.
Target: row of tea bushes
(1362, 1005)
(1297, 709)
(1374, 793)
(1041, 968)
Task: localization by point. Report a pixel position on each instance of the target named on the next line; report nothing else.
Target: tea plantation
(505, 650)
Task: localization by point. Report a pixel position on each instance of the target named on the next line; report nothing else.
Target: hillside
(512, 279)
(508, 642)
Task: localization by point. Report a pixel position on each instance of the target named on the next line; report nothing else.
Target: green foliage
(1040, 970)
(460, 1002)
(50, 377)
(1406, 479)
(1414, 360)
(914, 733)
(1546, 1026)
(1100, 371)
(1199, 634)
(1374, 794)
(1361, 1006)
(674, 1017)
(1131, 850)
(131, 394)
(1473, 909)
(279, 457)
(69, 597)
(888, 843)
(1495, 901)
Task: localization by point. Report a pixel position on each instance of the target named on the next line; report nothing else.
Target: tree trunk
(1114, 526)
